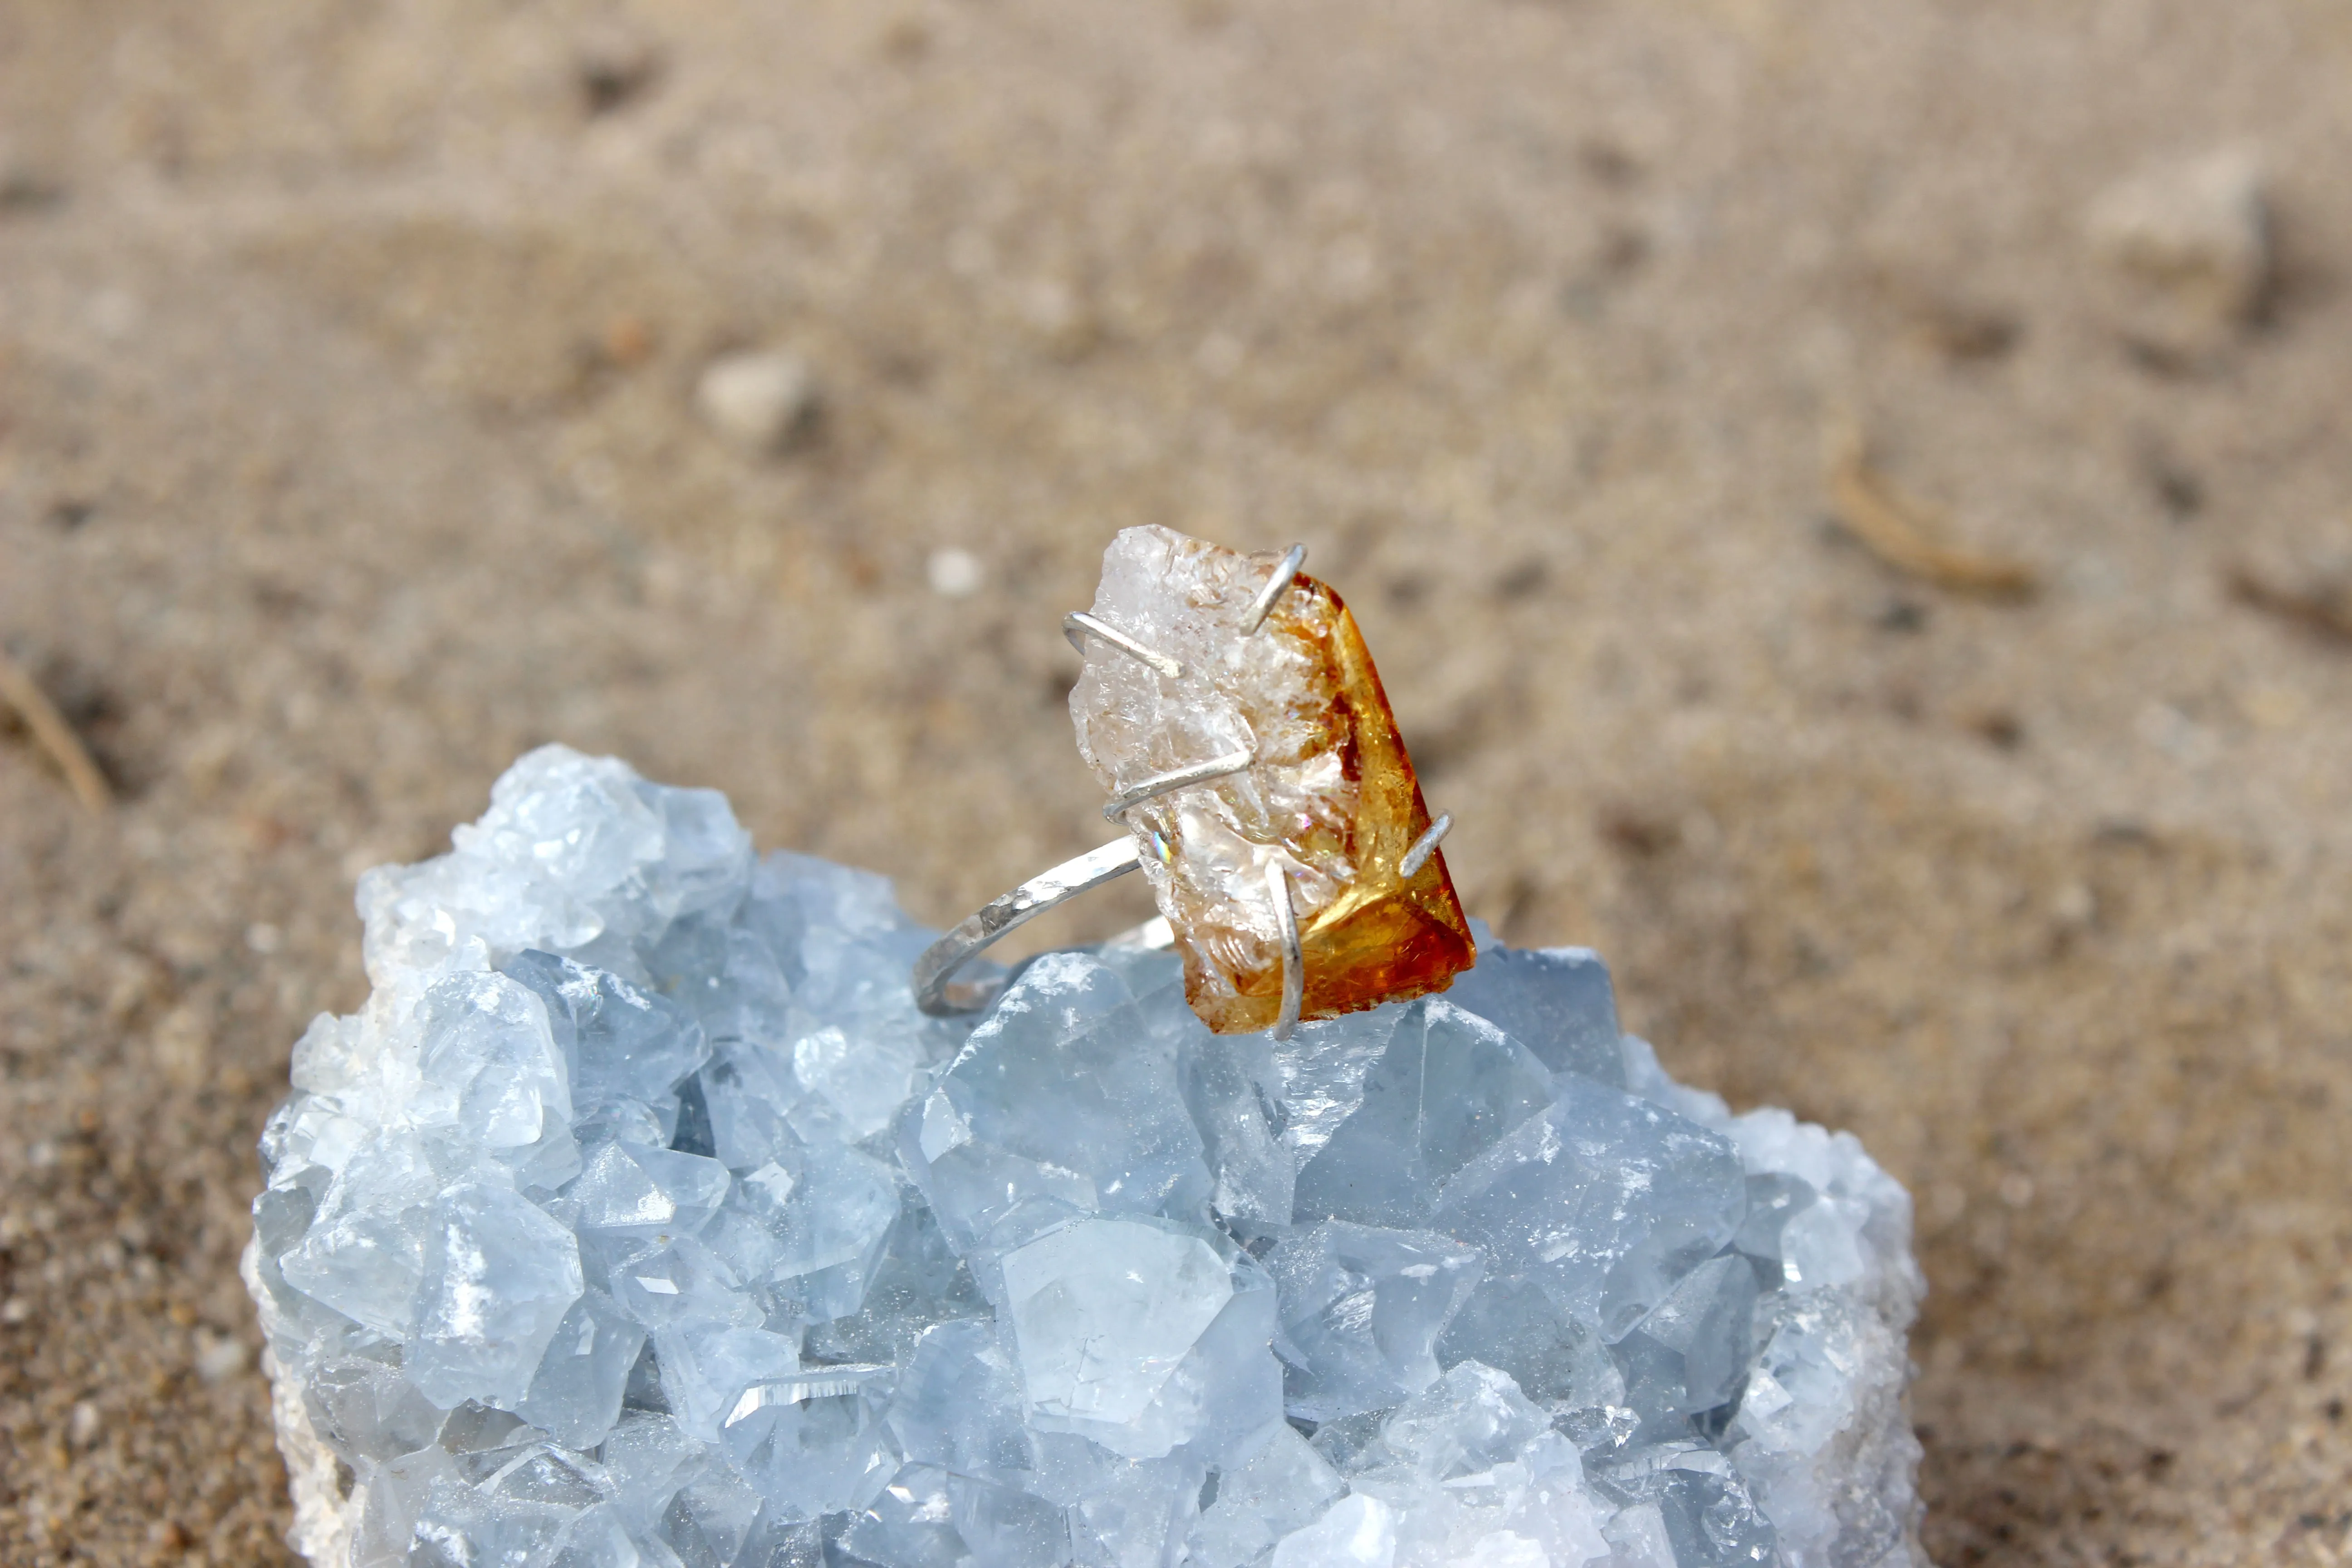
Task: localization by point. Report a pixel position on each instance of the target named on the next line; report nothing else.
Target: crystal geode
(1329, 796)
(639, 1219)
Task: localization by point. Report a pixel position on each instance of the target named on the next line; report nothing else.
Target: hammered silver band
(935, 992)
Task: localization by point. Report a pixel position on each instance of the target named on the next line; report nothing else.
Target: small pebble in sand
(955, 574)
(760, 401)
(2192, 243)
(615, 68)
(218, 1357)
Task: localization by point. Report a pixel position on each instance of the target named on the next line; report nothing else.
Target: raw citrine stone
(1329, 795)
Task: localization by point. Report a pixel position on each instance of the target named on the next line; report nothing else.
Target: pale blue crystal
(366, 1411)
(1124, 1511)
(1449, 1087)
(918, 1282)
(1357, 1531)
(366, 1265)
(1703, 1507)
(595, 1537)
(813, 1239)
(1361, 1310)
(500, 1275)
(705, 855)
(711, 1520)
(489, 1049)
(1510, 1322)
(1604, 1200)
(394, 1497)
(1103, 1311)
(626, 1121)
(706, 1369)
(1472, 1419)
(537, 1471)
(622, 1042)
(1692, 1353)
(814, 1441)
(1773, 1200)
(650, 1457)
(725, 976)
(1066, 1074)
(363, 1253)
(1285, 1484)
(641, 1221)
(676, 1282)
(973, 1184)
(1558, 1002)
(463, 1525)
(931, 1516)
(575, 1394)
(630, 1189)
(748, 1094)
(1232, 1085)
(1322, 1070)
(957, 1404)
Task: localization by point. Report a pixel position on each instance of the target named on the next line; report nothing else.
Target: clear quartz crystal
(639, 1218)
(1329, 797)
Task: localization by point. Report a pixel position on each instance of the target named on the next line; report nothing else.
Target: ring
(1232, 712)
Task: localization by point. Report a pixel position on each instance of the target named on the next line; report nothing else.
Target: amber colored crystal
(1330, 795)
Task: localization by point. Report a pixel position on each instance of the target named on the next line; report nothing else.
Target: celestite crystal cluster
(639, 1218)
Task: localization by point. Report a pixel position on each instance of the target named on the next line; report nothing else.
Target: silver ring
(934, 970)
(936, 990)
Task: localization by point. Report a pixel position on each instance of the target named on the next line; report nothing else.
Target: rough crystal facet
(639, 1219)
(1330, 797)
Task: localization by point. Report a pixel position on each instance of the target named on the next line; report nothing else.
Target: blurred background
(1850, 498)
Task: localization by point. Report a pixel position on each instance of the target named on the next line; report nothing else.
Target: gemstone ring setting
(1233, 714)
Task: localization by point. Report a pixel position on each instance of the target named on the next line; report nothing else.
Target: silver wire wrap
(1024, 903)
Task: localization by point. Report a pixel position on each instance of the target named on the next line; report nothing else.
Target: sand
(348, 446)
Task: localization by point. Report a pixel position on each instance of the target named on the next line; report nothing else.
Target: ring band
(935, 971)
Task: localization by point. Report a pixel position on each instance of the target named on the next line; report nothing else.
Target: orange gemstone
(1328, 794)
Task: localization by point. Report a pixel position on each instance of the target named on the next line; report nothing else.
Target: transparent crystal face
(640, 1218)
(1329, 798)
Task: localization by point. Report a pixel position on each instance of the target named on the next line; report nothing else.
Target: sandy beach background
(1851, 501)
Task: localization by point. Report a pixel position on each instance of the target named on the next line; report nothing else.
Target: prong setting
(1276, 586)
(1176, 779)
(1293, 960)
(1078, 625)
(1425, 845)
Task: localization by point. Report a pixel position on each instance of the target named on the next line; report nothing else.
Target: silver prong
(1276, 586)
(1078, 625)
(1294, 962)
(1179, 778)
(1425, 846)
